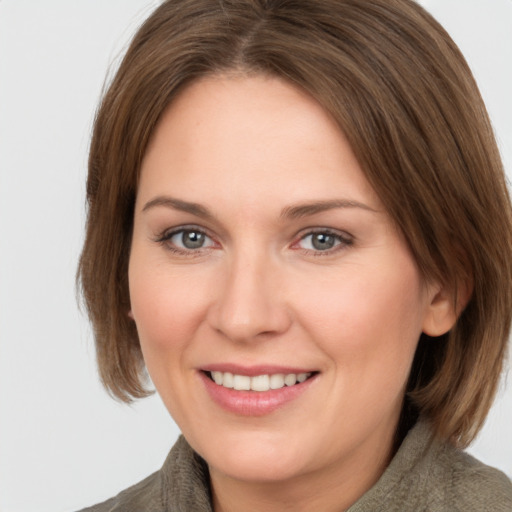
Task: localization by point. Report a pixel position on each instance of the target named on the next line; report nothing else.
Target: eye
(323, 241)
(186, 240)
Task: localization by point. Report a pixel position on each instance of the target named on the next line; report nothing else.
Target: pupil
(193, 239)
(322, 241)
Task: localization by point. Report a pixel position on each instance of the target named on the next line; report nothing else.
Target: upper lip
(254, 370)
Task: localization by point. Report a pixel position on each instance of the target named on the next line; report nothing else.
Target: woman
(299, 224)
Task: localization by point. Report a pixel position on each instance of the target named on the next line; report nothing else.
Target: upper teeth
(259, 382)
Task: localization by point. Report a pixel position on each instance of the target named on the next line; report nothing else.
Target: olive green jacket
(424, 476)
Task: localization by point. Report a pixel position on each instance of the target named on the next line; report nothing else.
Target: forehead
(247, 137)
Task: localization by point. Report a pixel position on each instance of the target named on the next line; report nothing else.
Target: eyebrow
(291, 212)
(177, 204)
(307, 209)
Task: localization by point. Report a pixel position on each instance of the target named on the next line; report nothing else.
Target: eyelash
(165, 237)
(344, 240)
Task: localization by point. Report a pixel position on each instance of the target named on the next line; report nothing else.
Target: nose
(250, 301)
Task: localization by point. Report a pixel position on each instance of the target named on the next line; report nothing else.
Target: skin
(248, 149)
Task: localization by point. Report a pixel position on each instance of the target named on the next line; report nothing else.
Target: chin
(256, 468)
(256, 458)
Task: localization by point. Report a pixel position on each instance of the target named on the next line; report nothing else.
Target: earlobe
(130, 314)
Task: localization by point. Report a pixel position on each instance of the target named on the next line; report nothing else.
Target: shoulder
(427, 475)
(467, 484)
(181, 484)
(146, 496)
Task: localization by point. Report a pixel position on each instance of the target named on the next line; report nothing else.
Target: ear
(130, 314)
(444, 307)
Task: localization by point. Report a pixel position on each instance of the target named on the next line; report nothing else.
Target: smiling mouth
(258, 383)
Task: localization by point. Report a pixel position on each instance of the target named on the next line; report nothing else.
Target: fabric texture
(424, 476)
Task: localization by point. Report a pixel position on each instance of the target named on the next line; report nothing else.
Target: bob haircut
(402, 93)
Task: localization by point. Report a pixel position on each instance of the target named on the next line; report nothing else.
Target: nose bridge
(249, 303)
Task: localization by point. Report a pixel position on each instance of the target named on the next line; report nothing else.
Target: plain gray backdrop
(64, 443)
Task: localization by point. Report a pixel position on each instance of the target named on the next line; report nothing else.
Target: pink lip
(253, 403)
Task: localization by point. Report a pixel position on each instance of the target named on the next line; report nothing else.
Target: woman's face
(263, 259)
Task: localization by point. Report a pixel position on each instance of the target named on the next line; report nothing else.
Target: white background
(64, 443)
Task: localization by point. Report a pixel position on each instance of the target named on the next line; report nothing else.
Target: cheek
(370, 321)
(167, 306)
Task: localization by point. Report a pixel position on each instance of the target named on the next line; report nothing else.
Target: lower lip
(253, 403)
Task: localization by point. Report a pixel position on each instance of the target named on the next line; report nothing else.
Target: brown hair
(404, 96)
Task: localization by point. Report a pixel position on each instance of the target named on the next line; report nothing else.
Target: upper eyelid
(331, 231)
(169, 232)
(216, 232)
